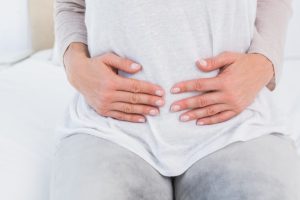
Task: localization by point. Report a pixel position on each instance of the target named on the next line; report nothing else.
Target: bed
(34, 94)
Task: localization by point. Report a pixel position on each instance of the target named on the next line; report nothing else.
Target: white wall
(14, 28)
(293, 37)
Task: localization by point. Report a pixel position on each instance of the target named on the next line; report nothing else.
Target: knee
(235, 184)
(230, 183)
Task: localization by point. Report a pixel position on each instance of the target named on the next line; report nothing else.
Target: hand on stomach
(109, 94)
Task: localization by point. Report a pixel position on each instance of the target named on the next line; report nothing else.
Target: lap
(266, 168)
(88, 167)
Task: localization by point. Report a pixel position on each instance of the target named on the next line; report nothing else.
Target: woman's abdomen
(166, 38)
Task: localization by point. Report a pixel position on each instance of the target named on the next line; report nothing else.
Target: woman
(173, 101)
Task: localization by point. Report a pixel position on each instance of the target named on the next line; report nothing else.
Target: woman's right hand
(108, 93)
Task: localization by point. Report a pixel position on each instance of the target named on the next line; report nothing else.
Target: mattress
(34, 95)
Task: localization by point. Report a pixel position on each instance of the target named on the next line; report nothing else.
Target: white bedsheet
(33, 97)
(287, 96)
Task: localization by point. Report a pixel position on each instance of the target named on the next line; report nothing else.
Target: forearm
(76, 60)
(270, 33)
(69, 25)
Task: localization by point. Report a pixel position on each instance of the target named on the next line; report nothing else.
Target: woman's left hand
(240, 79)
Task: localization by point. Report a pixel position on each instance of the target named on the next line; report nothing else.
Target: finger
(126, 117)
(199, 101)
(218, 118)
(137, 98)
(134, 108)
(138, 86)
(202, 85)
(221, 60)
(203, 112)
(118, 62)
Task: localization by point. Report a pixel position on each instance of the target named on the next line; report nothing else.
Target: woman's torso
(166, 38)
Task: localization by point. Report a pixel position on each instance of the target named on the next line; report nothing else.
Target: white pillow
(55, 57)
(43, 55)
(15, 38)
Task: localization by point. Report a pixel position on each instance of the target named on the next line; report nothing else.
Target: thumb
(217, 62)
(120, 63)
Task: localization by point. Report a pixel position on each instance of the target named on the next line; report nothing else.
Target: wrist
(75, 51)
(267, 65)
(76, 58)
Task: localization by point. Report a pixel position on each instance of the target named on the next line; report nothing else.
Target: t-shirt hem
(133, 147)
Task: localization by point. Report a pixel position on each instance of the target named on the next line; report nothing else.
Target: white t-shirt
(166, 38)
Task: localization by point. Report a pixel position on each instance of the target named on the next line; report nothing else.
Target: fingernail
(159, 92)
(175, 90)
(202, 62)
(200, 123)
(153, 112)
(159, 102)
(142, 120)
(135, 66)
(175, 108)
(184, 118)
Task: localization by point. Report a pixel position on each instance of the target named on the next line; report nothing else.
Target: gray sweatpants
(90, 168)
